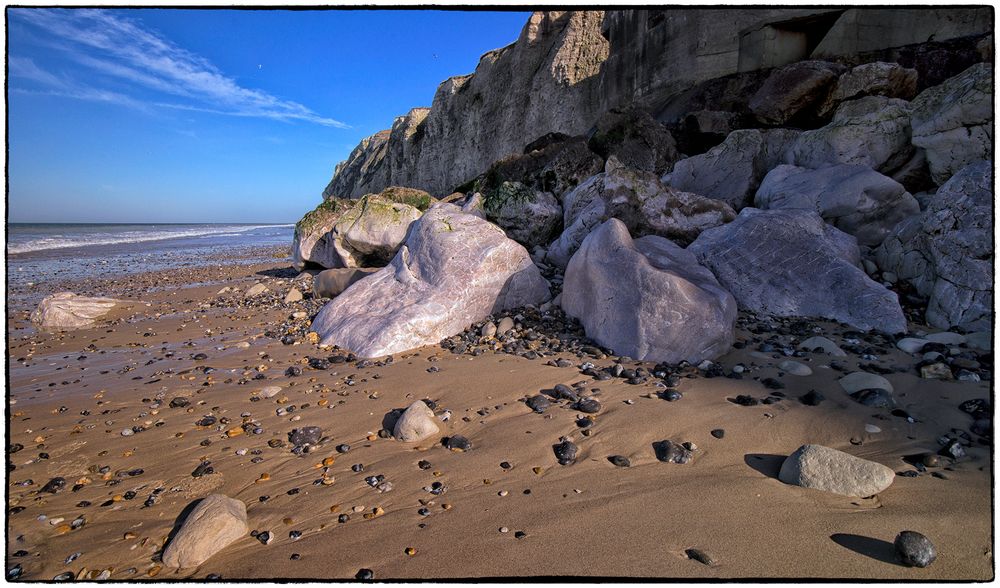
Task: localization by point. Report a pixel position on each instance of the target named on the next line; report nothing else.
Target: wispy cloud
(120, 48)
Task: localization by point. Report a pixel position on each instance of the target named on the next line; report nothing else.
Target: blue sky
(154, 115)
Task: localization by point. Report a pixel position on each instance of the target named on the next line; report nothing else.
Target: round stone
(620, 461)
(914, 549)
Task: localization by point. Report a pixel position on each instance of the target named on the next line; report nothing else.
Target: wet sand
(72, 394)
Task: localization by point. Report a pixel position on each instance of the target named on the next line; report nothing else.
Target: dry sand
(586, 519)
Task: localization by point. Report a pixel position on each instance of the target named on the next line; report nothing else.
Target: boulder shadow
(765, 463)
(883, 551)
(390, 418)
(279, 272)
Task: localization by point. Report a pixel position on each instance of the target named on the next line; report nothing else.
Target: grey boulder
(638, 199)
(854, 198)
(416, 423)
(455, 269)
(946, 253)
(528, 216)
(873, 131)
(64, 311)
(732, 170)
(215, 522)
(648, 299)
(953, 121)
(791, 263)
(822, 468)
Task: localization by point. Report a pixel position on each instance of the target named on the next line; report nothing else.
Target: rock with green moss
(529, 217)
(872, 131)
(312, 245)
(553, 163)
(357, 233)
(641, 201)
(370, 233)
(455, 269)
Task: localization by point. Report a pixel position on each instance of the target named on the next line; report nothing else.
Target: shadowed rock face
(65, 311)
(791, 263)
(946, 253)
(953, 122)
(853, 198)
(454, 269)
(648, 299)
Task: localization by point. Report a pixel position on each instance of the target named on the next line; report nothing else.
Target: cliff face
(543, 82)
(567, 68)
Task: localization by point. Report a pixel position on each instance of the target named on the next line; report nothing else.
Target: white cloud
(122, 49)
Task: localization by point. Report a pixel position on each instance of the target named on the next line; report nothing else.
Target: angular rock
(552, 163)
(830, 470)
(638, 199)
(636, 139)
(791, 263)
(216, 522)
(953, 122)
(294, 295)
(454, 270)
(530, 217)
(873, 131)
(64, 311)
(732, 171)
(792, 89)
(871, 79)
(416, 423)
(312, 244)
(946, 253)
(647, 299)
(853, 198)
(331, 282)
(256, 290)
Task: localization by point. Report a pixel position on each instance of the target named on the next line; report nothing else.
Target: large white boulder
(455, 269)
(946, 253)
(953, 121)
(64, 311)
(791, 263)
(854, 198)
(416, 423)
(830, 470)
(648, 299)
(216, 522)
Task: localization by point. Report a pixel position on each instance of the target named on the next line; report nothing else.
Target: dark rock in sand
(565, 452)
(564, 392)
(718, 433)
(874, 398)
(179, 402)
(669, 452)
(538, 403)
(54, 485)
(914, 549)
(953, 449)
(699, 556)
(364, 574)
(305, 436)
(588, 405)
(811, 398)
(458, 443)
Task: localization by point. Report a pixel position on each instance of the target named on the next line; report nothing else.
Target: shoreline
(72, 394)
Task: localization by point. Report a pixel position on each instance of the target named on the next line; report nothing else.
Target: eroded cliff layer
(568, 67)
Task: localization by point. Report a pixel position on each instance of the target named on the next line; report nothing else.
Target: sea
(38, 253)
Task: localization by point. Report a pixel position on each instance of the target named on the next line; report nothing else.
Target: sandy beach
(505, 508)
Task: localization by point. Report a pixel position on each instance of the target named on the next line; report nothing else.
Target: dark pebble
(54, 485)
(744, 400)
(588, 406)
(718, 433)
(343, 448)
(565, 452)
(875, 398)
(538, 403)
(364, 574)
(953, 449)
(179, 402)
(305, 436)
(458, 443)
(669, 452)
(699, 556)
(564, 392)
(671, 395)
(914, 549)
